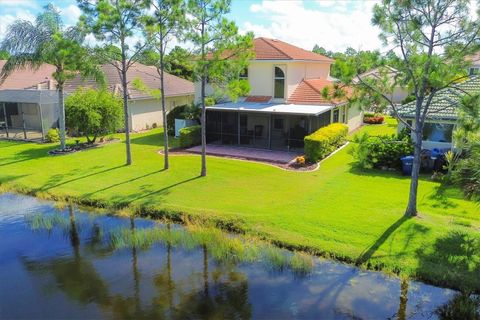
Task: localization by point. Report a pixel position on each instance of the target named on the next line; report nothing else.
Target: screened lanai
(265, 125)
(27, 114)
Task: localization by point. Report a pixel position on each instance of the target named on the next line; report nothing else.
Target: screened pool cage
(28, 114)
(262, 130)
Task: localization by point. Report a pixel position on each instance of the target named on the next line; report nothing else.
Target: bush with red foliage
(373, 120)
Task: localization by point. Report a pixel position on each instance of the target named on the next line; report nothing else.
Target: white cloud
(19, 3)
(71, 14)
(341, 25)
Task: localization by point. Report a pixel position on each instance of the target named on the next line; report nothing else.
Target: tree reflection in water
(77, 278)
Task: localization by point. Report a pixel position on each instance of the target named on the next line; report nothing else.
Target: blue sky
(333, 24)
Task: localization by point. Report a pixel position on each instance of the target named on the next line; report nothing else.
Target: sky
(332, 24)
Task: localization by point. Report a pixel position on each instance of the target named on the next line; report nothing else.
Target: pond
(67, 267)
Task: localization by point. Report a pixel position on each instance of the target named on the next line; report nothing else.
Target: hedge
(190, 136)
(324, 141)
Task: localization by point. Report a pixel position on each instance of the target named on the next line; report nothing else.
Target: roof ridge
(310, 85)
(274, 47)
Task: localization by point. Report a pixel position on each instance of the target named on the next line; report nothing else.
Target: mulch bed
(80, 147)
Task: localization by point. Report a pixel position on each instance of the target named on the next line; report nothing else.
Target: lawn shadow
(56, 180)
(442, 198)
(124, 182)
(368, 253)
(395, 174)
(454, 261)
(146, 192)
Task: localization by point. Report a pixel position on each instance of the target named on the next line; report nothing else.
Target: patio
(20, 134)
(265, 155)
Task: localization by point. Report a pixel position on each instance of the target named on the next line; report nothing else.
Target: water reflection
(73, 271)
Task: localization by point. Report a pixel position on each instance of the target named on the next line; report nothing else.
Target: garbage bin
(407, 165)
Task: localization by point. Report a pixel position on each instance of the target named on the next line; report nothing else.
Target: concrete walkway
(266, 155)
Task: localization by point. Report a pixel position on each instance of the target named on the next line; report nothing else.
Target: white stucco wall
(146, 112)
(355, 118)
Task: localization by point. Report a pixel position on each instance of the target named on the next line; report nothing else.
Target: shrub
(324, 141)
(93, 113)
(467, 173)
(373, 119)
(53, 135)
(382, 151)
(190, 136)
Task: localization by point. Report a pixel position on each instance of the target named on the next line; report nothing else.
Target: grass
(337, 211)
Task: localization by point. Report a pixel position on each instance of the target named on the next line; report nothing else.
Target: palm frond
(20, 61)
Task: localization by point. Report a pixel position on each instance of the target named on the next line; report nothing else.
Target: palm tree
(47, 41)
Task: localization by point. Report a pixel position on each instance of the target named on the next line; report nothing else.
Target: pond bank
(234, 225)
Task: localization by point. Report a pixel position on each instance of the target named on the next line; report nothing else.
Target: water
(71, 271)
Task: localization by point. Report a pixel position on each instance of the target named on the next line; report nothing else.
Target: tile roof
(309, 91)
(174, 86)
(273, 49)
(263, 99)
(444, 104)
(28, 77)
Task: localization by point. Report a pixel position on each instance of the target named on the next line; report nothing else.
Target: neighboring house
(442, 115)
(474, 61)
(285, 101)
(145, 111)
(28, 98)
(398, 93)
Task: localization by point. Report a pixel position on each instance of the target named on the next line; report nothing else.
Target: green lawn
(338, 210)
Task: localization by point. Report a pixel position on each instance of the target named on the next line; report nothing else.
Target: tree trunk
(164, 110)
(61, 105)
(411, 210)
(203, 119)
(125, 108)
(203, 173)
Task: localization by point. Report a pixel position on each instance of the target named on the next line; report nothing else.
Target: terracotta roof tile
(273, 49)
(263, 99)
(309, 91)
(28, 77)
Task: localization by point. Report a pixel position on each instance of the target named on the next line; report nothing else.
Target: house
(145, 111)
(29, 107)
(397, 93)
(285, 102)
(474, 64)
(442, 115)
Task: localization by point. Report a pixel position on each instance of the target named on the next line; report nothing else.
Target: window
(344, 114)
(244, 74)
(437, 132)
(474, 71)
(279, 88)
(336, 115)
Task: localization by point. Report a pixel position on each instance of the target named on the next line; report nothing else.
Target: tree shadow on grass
(441, 197)
(368, 253)
(57, 180)
(123, 182)
(454, 261)
(146, 192)
(356, 170)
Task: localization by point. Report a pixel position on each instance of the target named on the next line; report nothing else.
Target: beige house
(145, 111)
(285, 101)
